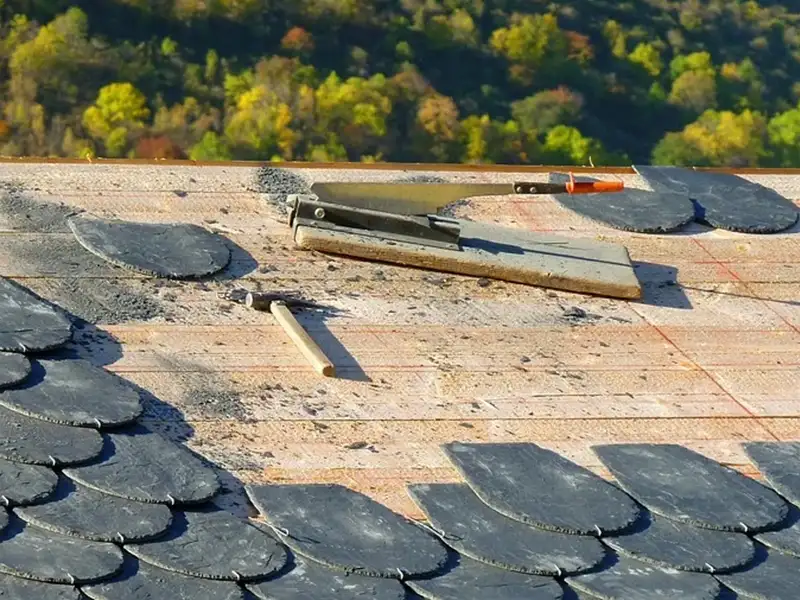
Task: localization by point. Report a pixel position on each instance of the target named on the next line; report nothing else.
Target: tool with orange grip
(570, 187)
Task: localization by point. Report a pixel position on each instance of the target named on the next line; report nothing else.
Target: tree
(544, 110)
(298, 41)
(260, 127)
(695, 91)
(783, 133)
(210, 147)
(119, 112)
(648, 57)
(565, 145)
(437, 129)
(534, 42)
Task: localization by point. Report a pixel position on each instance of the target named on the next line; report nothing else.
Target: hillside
(509, 81)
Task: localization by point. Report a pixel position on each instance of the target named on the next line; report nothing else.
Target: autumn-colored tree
(158, 148)
(783, 133)
(437, 129)
(544, 110)
(116, 116)
(533, 43)
(299, 41)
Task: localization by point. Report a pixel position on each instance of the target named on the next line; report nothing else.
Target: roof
(424, 358)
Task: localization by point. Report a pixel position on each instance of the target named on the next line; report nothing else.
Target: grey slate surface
(775, 577)
(539, 487)
(346, 530)
(785, 540)
(25, 484)
(74, 392)
(16, 588)
(779, 462)
(14, 368)
(28, 324)
(172, 250)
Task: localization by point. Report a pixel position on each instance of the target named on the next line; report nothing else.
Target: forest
(585, 82)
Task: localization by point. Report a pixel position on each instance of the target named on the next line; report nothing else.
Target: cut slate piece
(641, 211)
(309, 581)
(474, 580)
(25, 484)
(475, 530)
(33, 553)
(345, 530)
(28, 324)
(685, 547)
(141, 465)
(786, 540)
(537, 486)
(36, 442)
(213, 544)
(779, 463)
(678, 483)
(74, 392)
(16, 588)
(725, 200)
(774, 576)
(140, 581)
(82, 512)
(630, 579)
(171, 250)
(14, 368)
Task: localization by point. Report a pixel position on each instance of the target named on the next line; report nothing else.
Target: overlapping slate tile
(346, 530)
(213, 544)
(82, 512)
(173, 250)
(539, 487)
(786, 539)
(141, 465)
(310, 581)
(17, 588)
(25, 484)
(475, 530)
(680, 484)
(140, 581)
(28, 324)
(474, 580)
(33, 441)
(678, 545)
(74, 392)
(774, 576)
(33, 553)
(14, 368)
(779, 463)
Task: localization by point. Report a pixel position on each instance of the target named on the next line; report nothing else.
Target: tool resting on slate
(278, 305)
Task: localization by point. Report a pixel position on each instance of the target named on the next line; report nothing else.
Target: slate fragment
(474, 580)
(539, 487)
(16, 588)
(140, 581)
(14, 368)
(345, 530)
(475, 530)
(775, 576)
(33, 553)
(36, 442)
(678, 483)
(787, 538)
(28, 324)
(213, 544)
(141, 465)
(82, 512)
(25, 484)
(74, 392)
(171, 250)
(682, 546)
(309, 581)
(779, 463)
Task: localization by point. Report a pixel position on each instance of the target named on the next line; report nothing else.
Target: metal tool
(279, 305)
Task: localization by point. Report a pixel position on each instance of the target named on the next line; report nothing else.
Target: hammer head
(263, 300)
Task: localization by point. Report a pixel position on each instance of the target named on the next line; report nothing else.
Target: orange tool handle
(593, 187)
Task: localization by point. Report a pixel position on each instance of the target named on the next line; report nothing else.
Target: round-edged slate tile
(213, 544)
(787, 538)
(33, 553)
(680, 484)
(469, 526)
(531, 484)
(774, 576)
(343, 529)
(36, 442)
(74, 392)
(14, 368)
(28, 324)
(79, 511)
(171, 250)
(17, 588)
(139, 464)
(140, 581)
(779, 463)
(22, 484)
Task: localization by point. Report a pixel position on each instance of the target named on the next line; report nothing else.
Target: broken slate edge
(680, 484)
(681, 546)
(170, 250)
(33, 553)
(474, 580)
(74, 392)
(14, 368)
(786, 539)
(346, 530)
(214, 544)
(310, 581)
(775, 576)
(139, 464)
(779, 463)
(22, 484)
(472, 528)
(33, 441)
(28, 323)
(82, 512)
(140, 581)
(17, 588)
(531, 484)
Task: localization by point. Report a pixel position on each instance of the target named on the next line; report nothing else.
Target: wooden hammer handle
(302, 340)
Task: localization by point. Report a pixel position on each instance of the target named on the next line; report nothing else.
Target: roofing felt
(707, 360)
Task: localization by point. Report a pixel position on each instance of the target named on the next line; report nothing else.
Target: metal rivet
(319, 213)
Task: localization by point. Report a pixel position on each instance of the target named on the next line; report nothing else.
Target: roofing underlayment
(440, 378)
